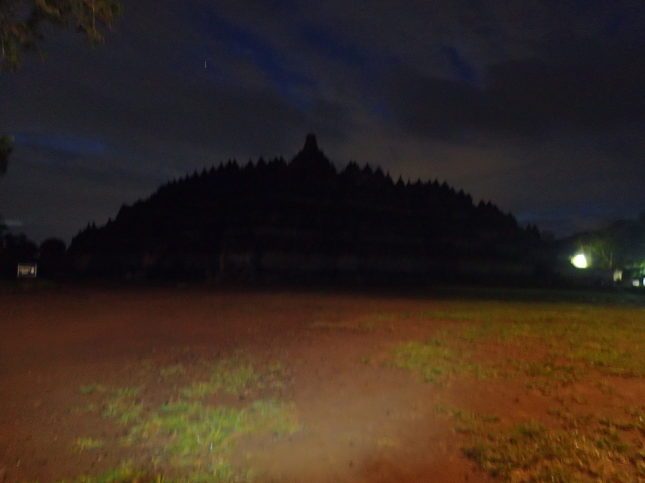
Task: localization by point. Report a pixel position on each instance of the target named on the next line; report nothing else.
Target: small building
(631, 277)
(27, 270)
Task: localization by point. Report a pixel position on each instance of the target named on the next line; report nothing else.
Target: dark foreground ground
(107, 383)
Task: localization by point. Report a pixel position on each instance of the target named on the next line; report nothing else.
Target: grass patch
(197, 437)
(467, 422)
(575, 448)
(239, 377)
(532, 452)
(125, 473)
(173, 370)
(565, 342)
(92, 388)
(437, 360)
(550, 346)
(82, 444)
(547, 375)
(88, 408)
(124, 405)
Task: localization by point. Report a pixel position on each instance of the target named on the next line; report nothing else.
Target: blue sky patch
(63, 143)
(465, 72)
(243, 43)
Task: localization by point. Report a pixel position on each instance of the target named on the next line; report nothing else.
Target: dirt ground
(362, 421)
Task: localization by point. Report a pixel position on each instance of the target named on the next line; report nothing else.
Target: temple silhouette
(304, 219)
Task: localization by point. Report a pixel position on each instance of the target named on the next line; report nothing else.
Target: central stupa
(311, 158)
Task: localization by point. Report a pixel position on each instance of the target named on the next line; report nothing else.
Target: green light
(580, 261)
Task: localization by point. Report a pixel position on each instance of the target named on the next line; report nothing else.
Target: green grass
(239, 377)
(82, 444)
(549, 346)
(87, 408)
(467, 422)
(172, 370)
(436, 360)
(92, 388)
(197, 437)
(547, 375)
(582, 449)
(123, 405)
(572, 447)
(127, 472)
(566, 342)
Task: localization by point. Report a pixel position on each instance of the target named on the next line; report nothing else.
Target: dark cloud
(526, 98)
(435, 107)
(586, 93)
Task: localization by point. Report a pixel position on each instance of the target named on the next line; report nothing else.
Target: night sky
(538, 106)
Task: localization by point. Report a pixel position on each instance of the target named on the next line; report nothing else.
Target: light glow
(580, 261)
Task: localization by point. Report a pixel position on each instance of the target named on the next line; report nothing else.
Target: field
(198, 384)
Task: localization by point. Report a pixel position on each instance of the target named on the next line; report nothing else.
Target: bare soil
(363, 421)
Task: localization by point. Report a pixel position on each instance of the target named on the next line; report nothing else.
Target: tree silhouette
(51, 257)
(15, 249)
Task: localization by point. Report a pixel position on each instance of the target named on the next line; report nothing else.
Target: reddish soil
(362, 422)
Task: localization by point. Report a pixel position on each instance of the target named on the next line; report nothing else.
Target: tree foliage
(20, 31)
(21, 22)
(602, 247)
